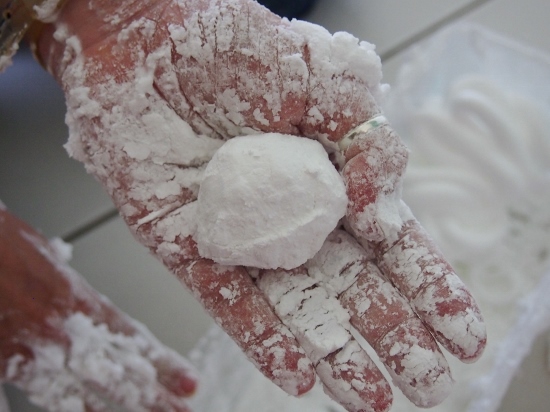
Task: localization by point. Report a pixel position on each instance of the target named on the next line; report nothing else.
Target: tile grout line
(87, 227)
(424, 33)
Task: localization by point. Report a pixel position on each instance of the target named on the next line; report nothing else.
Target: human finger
(175, 375)
(414, 264)
(46, 303)
(351, 378)
(178, 379)
(173, 372)
(238, 306)
(400, 339)
(375, 163)
(118, 366)
(384, 319)
(321, 326)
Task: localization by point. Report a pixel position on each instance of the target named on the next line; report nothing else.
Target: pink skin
(192, 87)
(37, 294)
(391, 319)
(436, 292)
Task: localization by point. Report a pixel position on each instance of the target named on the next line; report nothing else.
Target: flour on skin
(138, 124)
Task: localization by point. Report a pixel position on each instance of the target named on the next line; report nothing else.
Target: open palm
(153, 90)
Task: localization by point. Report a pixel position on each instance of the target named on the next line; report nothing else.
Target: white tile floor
(40, 184)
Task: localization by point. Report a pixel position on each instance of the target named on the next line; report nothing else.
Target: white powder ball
(268, 201)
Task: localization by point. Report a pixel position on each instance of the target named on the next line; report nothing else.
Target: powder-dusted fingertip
(467, 338)
(352, 379)
(277, 355)
(416, 364)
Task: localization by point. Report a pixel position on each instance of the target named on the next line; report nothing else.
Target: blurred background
(40, 184)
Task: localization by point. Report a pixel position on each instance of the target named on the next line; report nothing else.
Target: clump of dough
(268, 201)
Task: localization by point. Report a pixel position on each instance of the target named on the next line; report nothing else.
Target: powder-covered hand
(153, 89)
(66, 346)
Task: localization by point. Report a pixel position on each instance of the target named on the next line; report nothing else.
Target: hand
(69, 348)
(153, 91)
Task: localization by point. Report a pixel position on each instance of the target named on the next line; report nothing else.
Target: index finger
(230, 296)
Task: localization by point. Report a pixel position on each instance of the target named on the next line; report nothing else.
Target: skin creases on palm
(149, 104)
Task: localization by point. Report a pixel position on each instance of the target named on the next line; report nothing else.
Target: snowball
(268, 201)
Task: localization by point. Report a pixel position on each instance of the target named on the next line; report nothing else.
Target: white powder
(63, 251)
(122, 368)
(268, 201)
(516, 254)
(164, 128)
(315, 317)
(197, 88)
(47, 10)
(533, 321)
(218, 357)
(478, 180)
(117, 366)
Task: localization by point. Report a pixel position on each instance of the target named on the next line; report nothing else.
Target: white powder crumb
(226, 293)
(345, 392)
(14, 364)
(359, 385)
(395, 349)
(315, 318)
(268, 201)
(342, 52)
(273, 340)
(62, 250)
(338, 263)
(46, 11)
(316, 114)
(229, 294)
(165, 189)
(48, 383)
(259, 116)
